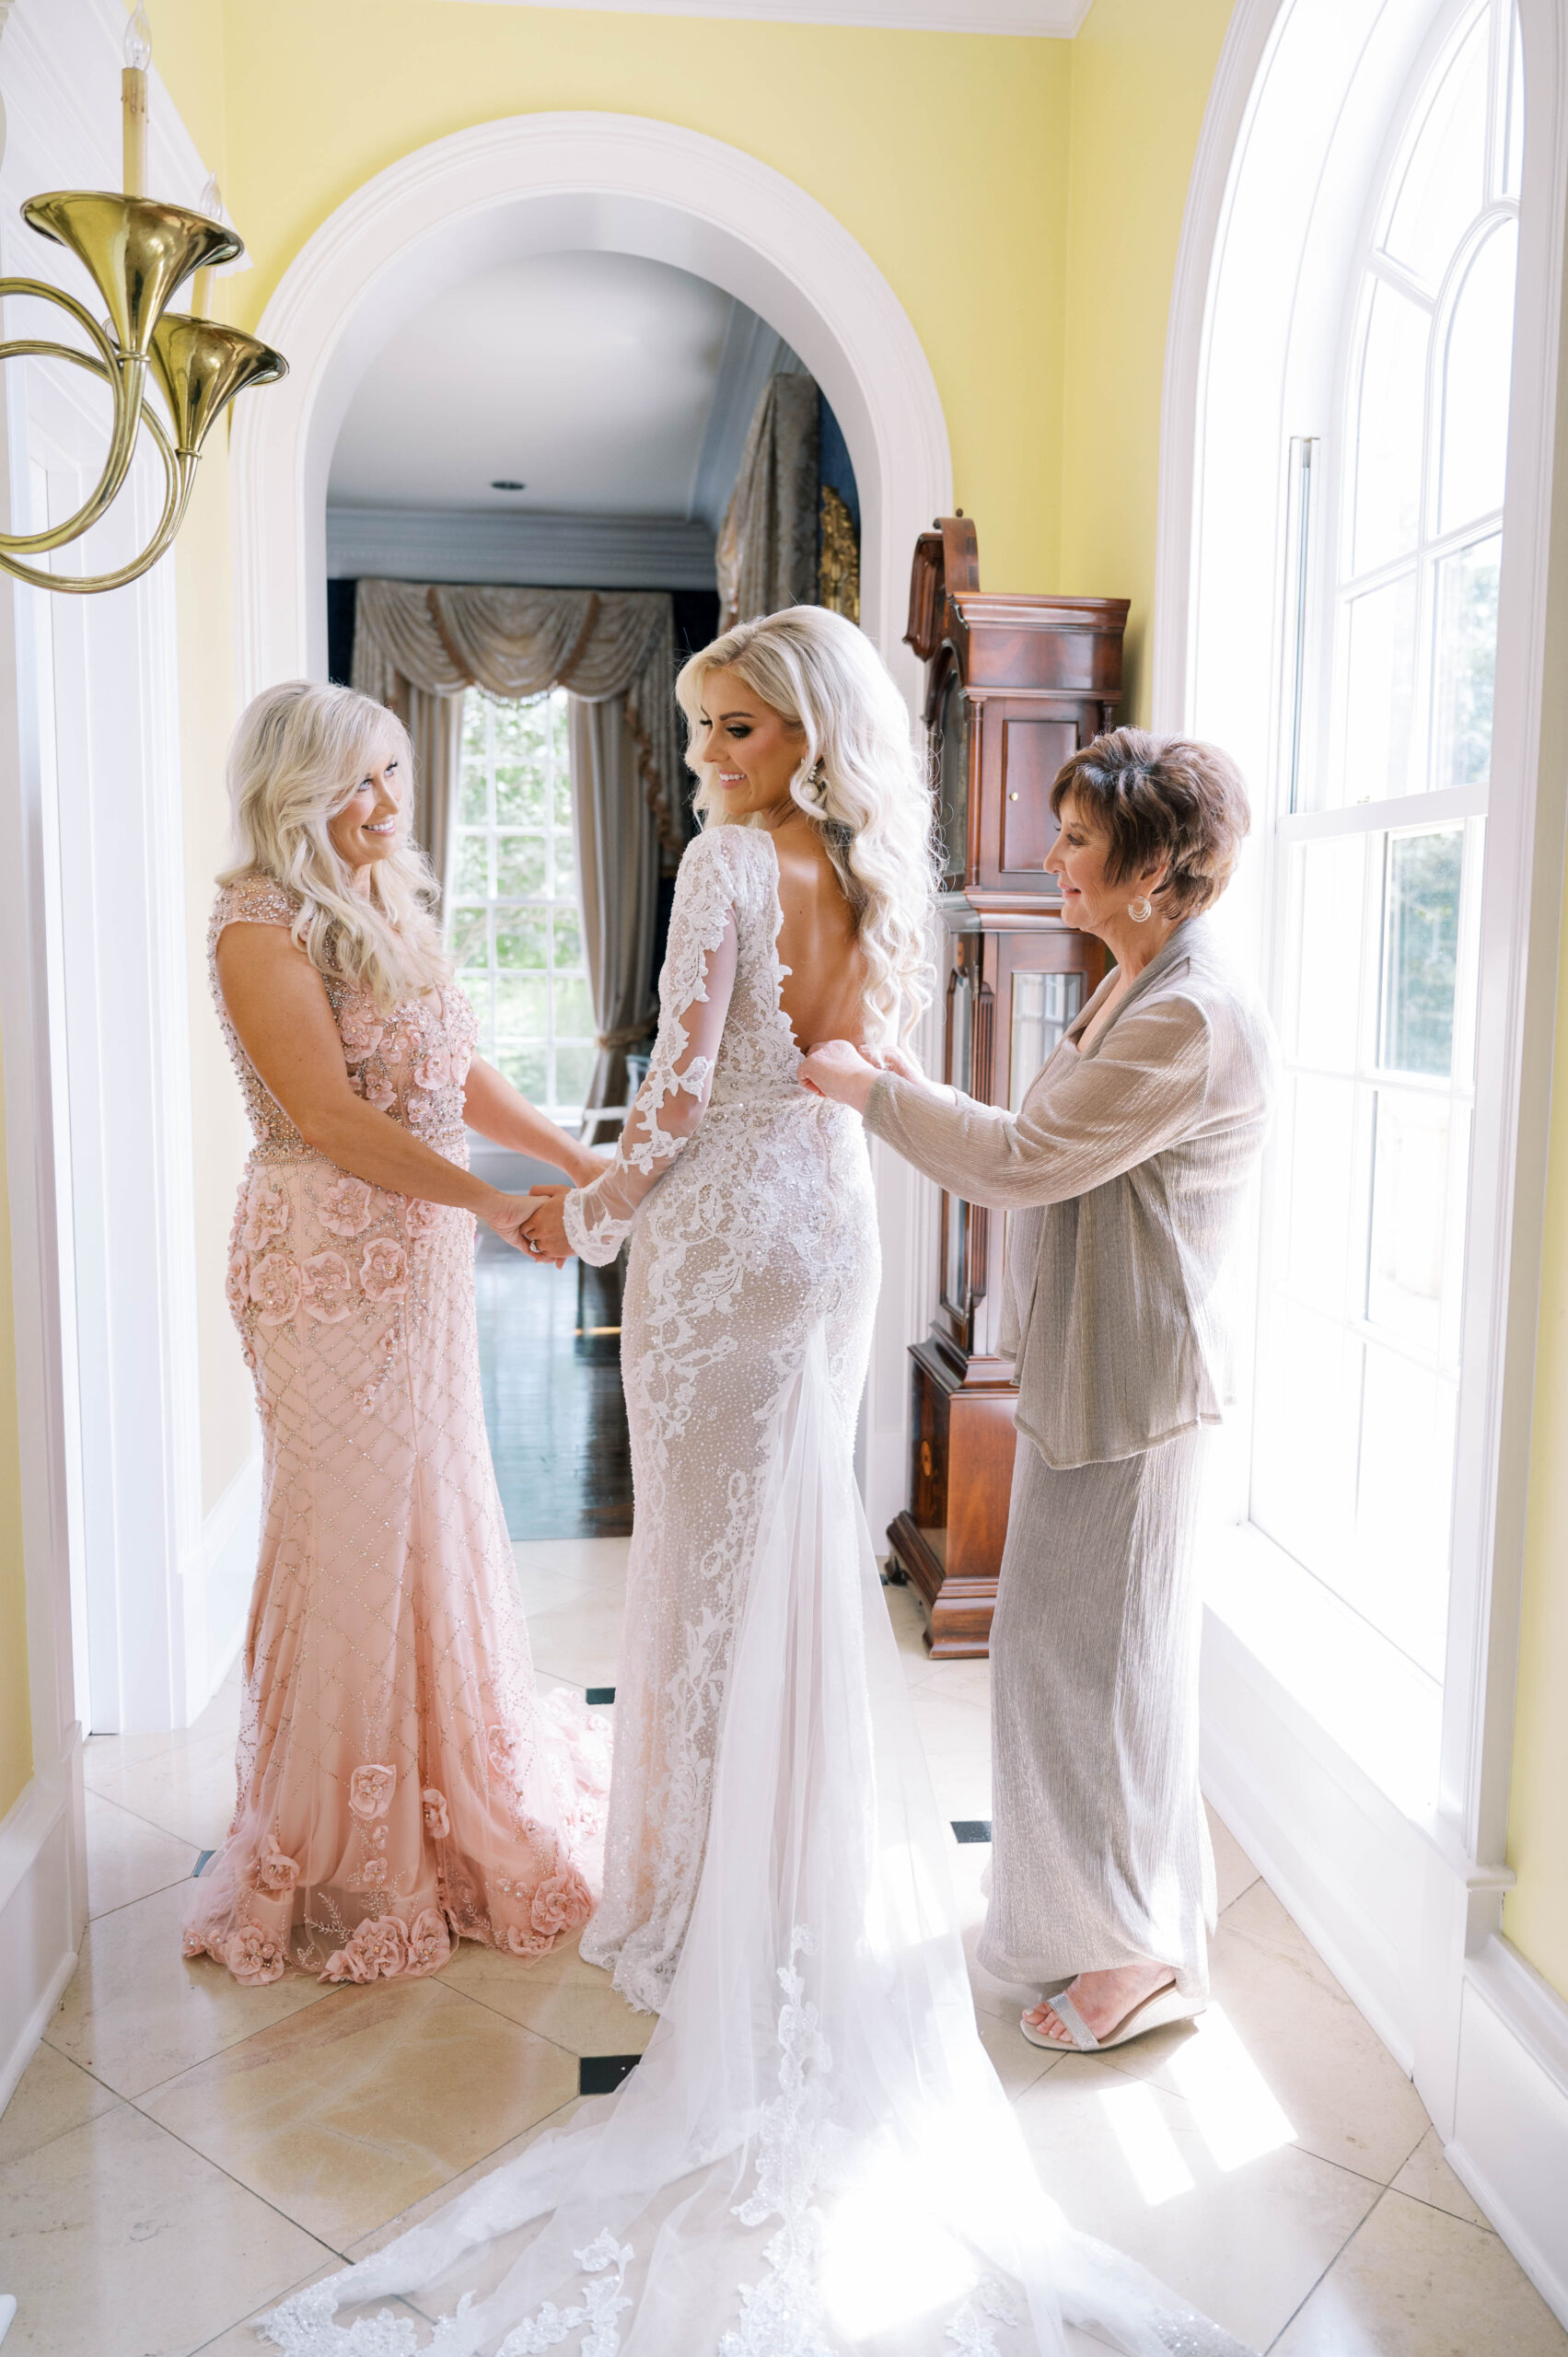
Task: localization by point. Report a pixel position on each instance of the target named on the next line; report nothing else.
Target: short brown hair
(1162, 797)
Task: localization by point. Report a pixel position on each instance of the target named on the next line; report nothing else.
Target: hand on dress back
(833, 1068)
(544, 1233)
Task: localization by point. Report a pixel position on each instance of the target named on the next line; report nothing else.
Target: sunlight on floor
(1271, 2162)
(1233, 2103)
(1158, 2170)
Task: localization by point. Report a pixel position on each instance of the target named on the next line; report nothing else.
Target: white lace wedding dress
(814, 2156)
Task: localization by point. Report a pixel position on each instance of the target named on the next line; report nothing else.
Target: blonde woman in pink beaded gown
(401, 1783)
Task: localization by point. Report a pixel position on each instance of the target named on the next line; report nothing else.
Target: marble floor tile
(962, 1681)
(1004, 1999)
(137, 2011)
(120, 2242)
(418, 2211)
(1243, 2239)
(1427, 2177)
(956, 1738)
(52, 2097)
(1417, 2283)
(1234, 1870)
(572, 2003)
(907, 1618)
(578, 1641)
(129, 1859)
(184, 1784)
(1018, 2063)
(1280, 2028)
(347, 2114)
(556, 1572)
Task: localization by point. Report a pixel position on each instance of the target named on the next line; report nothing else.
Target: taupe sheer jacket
(1125, 1169)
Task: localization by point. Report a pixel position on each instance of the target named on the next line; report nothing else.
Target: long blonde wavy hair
(859, 780)
(298, 754)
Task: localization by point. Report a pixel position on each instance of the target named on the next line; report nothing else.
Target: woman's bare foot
(1104, 1998)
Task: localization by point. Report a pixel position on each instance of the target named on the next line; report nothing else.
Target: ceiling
(608, 384)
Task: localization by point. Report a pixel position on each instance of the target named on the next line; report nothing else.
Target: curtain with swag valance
(417, 646)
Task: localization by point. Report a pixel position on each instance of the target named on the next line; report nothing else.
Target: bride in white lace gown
(814, 2156)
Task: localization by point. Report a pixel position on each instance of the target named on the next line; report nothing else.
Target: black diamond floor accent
(600, 2075)
(972, 1829)
(597, 1694)
(200, 1864)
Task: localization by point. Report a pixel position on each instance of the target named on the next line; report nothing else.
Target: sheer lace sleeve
(694, 993)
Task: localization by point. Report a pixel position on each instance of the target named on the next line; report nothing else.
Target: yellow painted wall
(1142, 70)
(16, 1717)
(945, 155)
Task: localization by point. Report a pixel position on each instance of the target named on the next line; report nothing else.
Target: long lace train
(814, 2156)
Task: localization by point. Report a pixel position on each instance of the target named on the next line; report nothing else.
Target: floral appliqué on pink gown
(401, 1783)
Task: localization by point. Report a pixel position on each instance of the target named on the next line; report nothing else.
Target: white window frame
(1317, 588)
(545, 904)
(1404, 1899)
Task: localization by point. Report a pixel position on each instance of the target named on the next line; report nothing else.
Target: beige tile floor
(182, 2152)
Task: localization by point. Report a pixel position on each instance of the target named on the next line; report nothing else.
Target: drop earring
(1140, 910)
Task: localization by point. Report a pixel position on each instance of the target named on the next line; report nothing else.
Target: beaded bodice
(411, 1064)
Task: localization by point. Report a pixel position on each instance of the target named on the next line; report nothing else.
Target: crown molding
(521, 551)
(1025, 19)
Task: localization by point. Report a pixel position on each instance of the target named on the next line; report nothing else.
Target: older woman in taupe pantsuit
(1124, 1168)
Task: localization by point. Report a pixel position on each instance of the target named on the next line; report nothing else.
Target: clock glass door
(955, 1211)
(1043, 1006)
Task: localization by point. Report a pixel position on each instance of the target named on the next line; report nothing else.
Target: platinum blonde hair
(859, 780)
(297, 757)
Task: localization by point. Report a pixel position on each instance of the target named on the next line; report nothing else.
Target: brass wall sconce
(138, 252)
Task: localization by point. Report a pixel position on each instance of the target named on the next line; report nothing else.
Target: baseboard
(1388, 1909)
(42, 1908)
(1344, 1862)
(1510, 2143)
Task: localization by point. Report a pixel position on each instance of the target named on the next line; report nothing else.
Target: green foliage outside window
(513, 923)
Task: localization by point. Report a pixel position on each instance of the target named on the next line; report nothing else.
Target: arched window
(1393, 555)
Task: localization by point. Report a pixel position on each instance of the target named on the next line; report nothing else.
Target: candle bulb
(134, 101)
(202, 284)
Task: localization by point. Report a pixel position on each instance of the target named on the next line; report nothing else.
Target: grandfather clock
(1014, 686)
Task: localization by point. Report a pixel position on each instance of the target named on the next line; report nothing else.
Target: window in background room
(1380, 864)
(514, 925)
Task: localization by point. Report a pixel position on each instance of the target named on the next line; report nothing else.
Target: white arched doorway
(545, 183)
(1312, 1723)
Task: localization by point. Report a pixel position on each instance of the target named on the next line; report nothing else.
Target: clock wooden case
(1014, 686)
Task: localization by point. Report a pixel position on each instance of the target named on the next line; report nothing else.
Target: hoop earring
(1140, 910)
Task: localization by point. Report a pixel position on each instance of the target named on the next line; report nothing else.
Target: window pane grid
(513, 924)
(1364, 1221)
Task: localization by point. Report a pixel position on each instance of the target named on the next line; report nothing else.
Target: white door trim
(621, 184)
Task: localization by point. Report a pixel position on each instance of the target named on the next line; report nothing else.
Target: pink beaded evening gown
(401, 1783)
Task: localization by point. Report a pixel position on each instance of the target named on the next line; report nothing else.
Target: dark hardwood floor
(549, 1354)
